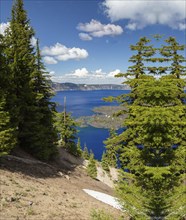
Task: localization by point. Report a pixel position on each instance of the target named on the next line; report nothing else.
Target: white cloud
(49, 60)
(97, 29)
(99, 74)
(132, 26)
(55, 50)
(60, 52)
(82, 75)
(33, 41)
(84, 36)
(141, 13)
(182, 26)
(73, 53)
(3, 27)
(52, 73)
(59, 79)
(113, 73)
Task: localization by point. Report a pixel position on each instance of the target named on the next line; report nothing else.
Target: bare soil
(30, 189)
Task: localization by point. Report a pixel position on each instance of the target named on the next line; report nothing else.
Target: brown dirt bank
(30, 189)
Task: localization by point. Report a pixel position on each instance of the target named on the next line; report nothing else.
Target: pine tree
(79, 150)
(156, 122)
(42, 114)
(91, 168)
(66, 127)
(85, 153)
(28, 96)
(7, 133)
(104, 162)
(143, 52)
(111, 150)
(20, 62)
(171, 52)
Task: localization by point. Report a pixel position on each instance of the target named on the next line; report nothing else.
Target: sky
(88, 41)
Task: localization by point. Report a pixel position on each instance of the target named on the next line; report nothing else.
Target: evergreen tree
(4, 80)
(85, 153)
(91, 168)
(7, 133)
(79, 150)
(20, 60)
(42, 114)
(111, 150)
(156, 122)
(104, 162)
(171, 52)
(29, 93)
(144, 51)
(66, 127)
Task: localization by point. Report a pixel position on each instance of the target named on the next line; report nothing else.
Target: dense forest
(150, 152)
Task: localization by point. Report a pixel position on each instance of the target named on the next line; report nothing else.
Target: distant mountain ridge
(87, 87)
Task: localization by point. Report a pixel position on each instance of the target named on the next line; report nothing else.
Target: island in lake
(104, 117)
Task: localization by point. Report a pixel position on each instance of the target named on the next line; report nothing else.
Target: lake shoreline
(84, 103)
(103, 117)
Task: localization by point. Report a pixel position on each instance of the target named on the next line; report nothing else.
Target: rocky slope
(31, 189)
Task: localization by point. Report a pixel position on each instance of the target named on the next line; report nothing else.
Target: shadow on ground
(22, 162)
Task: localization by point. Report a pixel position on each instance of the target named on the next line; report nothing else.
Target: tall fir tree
(79, 150)
(85, 153)
(171, 52)
(20, 61)
(143, 52)
(104, 162)
(42, 114)
(29, 93)
(155, 124)
(110, 156)
(91, 167)
(7, 132)
(67, 128)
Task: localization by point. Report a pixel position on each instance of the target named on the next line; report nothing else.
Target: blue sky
(88, 41)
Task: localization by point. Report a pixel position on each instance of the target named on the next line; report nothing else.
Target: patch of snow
(105, 198)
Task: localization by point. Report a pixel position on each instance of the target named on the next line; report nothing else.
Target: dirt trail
(40, 192)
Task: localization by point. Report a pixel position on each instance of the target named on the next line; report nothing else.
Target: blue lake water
(81, 103)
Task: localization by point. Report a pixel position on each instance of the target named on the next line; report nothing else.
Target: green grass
(101, 215)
